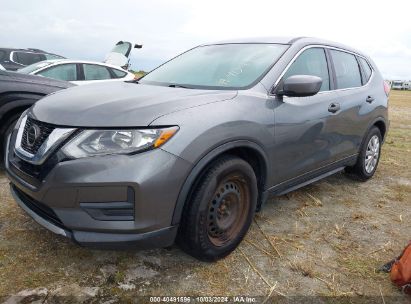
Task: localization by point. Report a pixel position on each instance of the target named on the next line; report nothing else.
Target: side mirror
(301, 85)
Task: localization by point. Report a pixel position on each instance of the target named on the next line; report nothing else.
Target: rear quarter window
(347, 71)
(118, 73)
(366, 68)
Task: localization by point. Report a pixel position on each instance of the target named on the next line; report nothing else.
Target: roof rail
(36, 50)
(295, 39)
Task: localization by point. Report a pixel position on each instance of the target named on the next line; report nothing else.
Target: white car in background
(84, 72)
(78, 72)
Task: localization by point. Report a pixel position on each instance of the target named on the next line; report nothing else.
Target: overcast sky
(85, 29)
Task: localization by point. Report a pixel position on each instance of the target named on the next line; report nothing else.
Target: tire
(368, 157)
(219, 212)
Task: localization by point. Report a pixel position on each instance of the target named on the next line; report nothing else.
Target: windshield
(224, 66)
(33, 67)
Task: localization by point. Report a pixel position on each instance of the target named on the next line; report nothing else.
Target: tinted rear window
(53, 56)
(346, 69)
(25, 58)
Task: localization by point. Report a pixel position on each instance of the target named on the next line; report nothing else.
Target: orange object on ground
(401, 270)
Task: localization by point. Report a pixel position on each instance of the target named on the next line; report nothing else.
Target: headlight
(101, 142)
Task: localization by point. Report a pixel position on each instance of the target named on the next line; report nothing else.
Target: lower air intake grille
(39, 208)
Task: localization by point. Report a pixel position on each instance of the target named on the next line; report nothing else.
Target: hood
(33, 79)
(119, 104)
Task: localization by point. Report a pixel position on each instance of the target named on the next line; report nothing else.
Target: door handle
(369, 99)
(334, 107)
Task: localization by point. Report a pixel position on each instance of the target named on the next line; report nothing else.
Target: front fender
(202, 163)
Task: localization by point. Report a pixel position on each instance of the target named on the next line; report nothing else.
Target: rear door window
(26, 58)
(95, 72)
(67, 72)
(347, 71)
(366, 68)
(311, 62)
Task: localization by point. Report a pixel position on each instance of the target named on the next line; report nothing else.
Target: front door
(306, 135)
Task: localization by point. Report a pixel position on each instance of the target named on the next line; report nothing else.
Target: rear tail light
(386, 88)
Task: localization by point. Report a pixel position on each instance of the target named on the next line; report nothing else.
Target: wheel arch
(13, 102)
(245, 149)
(379, 122)
(381, 125)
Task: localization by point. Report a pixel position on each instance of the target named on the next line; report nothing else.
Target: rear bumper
(160, 238)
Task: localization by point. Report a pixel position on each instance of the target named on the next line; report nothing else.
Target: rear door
(305, 132)
(352, 96)
(93, 73)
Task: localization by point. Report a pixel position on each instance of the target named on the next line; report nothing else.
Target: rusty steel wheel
(219, 212)
(228, 209)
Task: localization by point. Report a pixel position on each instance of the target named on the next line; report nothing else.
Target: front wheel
(369, 156)
(220, 210)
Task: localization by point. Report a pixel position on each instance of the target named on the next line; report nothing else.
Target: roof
(54, 61)
(291, 40)
(31, 50)
(278, 39)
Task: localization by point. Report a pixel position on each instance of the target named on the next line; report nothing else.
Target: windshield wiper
(177, 86)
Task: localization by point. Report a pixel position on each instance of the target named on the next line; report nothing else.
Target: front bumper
(159, 238)
(108, 201)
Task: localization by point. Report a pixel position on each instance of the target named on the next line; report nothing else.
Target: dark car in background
(13, 59)
(19, 92)
(195, 147)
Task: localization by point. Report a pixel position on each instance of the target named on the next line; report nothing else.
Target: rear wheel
(220, 210)
(369, 156)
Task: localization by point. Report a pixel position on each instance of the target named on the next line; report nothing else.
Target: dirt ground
(327, 239)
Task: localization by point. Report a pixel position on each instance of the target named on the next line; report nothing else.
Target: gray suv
(191, 151)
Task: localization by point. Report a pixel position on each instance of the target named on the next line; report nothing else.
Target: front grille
(31, 143)
(39, 208)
